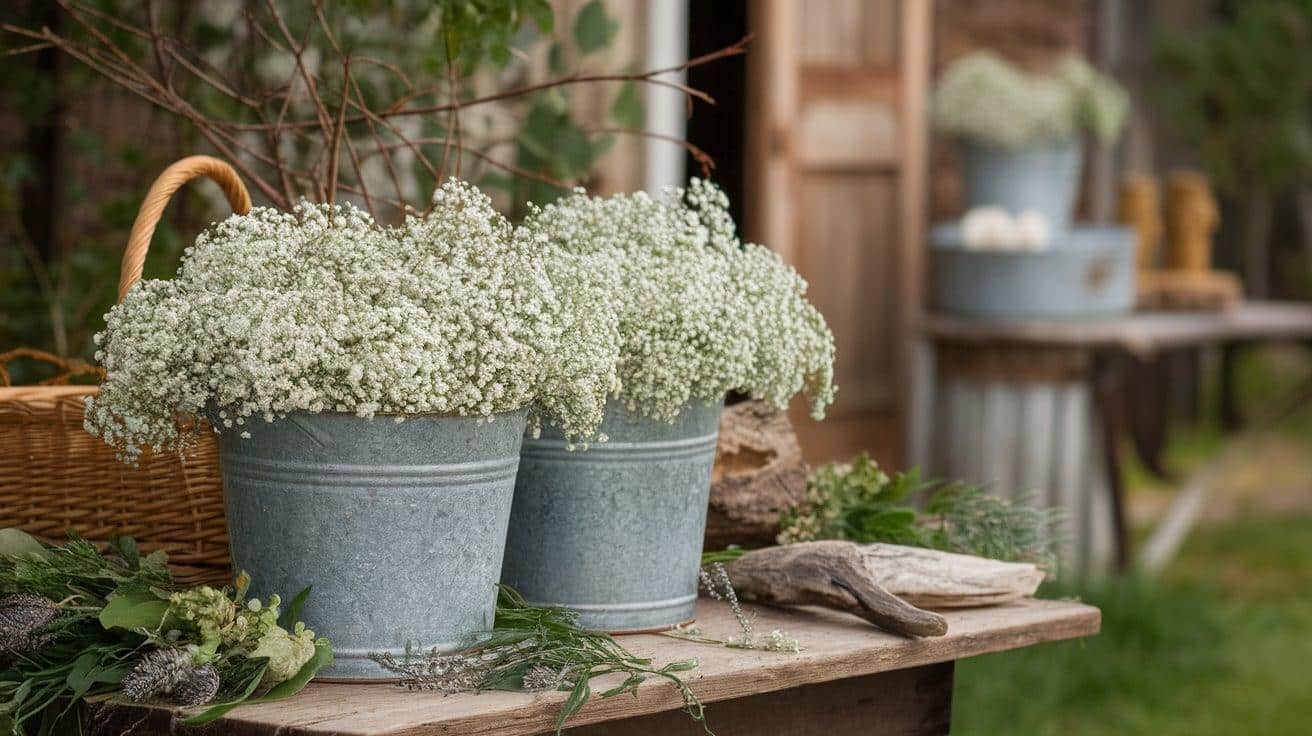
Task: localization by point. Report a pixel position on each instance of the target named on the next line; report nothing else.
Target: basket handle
(67, 367)
(152, 208)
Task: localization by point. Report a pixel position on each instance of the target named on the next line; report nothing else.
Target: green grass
(1222, 644)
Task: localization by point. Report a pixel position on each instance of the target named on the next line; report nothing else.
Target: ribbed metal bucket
(399, 526)
(1045, 179)
(615, 532)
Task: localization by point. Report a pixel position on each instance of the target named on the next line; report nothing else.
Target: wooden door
(836, 162)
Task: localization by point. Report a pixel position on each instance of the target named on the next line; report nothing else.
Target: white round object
(1032, 231)
(988, 228)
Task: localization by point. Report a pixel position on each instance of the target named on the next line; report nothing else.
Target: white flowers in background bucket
(994, 228)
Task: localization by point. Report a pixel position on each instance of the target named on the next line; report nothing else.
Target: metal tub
(1045, 179)
(399, 526)
(615, 532)
(1087, 272)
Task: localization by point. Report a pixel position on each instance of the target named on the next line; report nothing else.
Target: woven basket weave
(55, 476)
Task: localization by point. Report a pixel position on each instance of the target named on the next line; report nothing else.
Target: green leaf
(87, 672)
(134, 610)
(127, 549)
(593, 29)
(542, 14)
(577, 697)
(16, 542)
(323, 656)
(627, 110)
(292, 614)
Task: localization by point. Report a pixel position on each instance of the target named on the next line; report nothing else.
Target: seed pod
(157, 673)
(198, 687)
(23, 618)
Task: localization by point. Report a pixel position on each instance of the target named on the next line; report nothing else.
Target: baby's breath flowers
(985, 99)
(323, 310)
(699, 312)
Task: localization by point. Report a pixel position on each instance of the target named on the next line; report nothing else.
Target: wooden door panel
(836, 158)
(846, 260)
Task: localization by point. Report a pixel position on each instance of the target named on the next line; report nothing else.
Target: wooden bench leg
(914, 702)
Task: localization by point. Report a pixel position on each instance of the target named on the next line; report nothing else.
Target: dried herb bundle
(78, 626)
(538, 648)
(859, 502)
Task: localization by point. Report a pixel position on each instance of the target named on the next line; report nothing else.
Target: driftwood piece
(929, 578)
(759, 473)
(830, 574)
(886, 584)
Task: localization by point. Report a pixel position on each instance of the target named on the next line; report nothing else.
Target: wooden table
(1140, 333)
(850, 679)
(1109, 351)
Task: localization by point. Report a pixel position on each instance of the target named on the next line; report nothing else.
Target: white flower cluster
(699, 312)
(986, 99)
(322, 309)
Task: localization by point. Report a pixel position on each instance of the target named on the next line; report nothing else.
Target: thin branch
(702, 158)
(453, 115)
(398, 108)
(378, 147)
(27, 49)
(335, 146)
(325, 122)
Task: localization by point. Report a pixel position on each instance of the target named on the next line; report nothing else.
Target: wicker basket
(55, 476)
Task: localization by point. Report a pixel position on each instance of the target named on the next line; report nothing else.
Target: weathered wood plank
(837, 647)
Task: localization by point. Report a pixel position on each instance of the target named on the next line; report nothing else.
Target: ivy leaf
(593, 29)
(134, 610)
(627, 110)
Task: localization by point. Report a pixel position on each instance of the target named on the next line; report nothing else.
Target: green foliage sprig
(78, 626)
(538, 648)
(860, 502)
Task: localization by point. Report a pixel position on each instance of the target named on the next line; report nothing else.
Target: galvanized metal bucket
(1045, 179)
(1087, 272)
(399, 526)
(615, 531)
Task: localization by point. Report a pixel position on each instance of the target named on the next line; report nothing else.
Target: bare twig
(283, 154)
(702, 158)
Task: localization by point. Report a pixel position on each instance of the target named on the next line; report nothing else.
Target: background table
(850, 679)
(1039, 405)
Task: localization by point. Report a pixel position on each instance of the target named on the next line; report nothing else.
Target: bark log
(759, 473)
